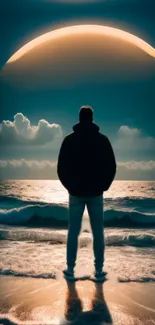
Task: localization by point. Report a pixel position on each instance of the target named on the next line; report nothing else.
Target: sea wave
(136, 238)
(40, 236)
(130, 202)
(131, 239)
(35, 215)
(56, 215)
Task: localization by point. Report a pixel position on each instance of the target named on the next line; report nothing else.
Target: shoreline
(47, 301)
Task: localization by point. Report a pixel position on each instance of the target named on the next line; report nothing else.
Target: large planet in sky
(80, 54)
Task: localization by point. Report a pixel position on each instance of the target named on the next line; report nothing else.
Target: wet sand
(46, 301)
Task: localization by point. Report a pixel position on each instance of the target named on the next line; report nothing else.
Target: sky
(40, 95)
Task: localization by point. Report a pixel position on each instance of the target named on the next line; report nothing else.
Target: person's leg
(76, 209)
(95, 211)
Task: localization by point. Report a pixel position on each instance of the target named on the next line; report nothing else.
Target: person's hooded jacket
(86, 163)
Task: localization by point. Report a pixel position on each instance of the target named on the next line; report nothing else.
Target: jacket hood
(83, 127)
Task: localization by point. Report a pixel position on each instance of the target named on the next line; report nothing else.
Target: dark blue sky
(130, 103)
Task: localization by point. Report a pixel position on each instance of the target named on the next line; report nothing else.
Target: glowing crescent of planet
(91, 29)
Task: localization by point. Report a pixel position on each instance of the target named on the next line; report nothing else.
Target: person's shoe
(69, 274)
(99, 276)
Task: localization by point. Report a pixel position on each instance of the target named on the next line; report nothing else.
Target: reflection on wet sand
(27, 301)
(98, 313)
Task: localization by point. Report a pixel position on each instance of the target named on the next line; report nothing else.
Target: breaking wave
(56, 215)
(130, 237)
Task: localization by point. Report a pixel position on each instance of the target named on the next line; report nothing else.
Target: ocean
(33, 230)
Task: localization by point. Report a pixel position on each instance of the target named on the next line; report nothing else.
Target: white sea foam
(113, 237)
(30, 245)
(47, 261)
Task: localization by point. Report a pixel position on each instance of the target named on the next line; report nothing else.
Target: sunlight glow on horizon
(80, 29)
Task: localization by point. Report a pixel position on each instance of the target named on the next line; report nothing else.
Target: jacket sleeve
(63, 165)
(109, 169)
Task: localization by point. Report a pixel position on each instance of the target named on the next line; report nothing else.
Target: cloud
(21, 132)
(27, 163)
(138, 165)
(136, 170)
(133, 139)
(34, 169)
(27, 169)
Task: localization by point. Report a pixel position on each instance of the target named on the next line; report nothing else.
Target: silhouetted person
(86, 168)
(98, 314)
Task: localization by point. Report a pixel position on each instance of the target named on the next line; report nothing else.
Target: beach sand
(48, 301)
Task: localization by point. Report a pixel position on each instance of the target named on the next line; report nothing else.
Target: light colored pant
(95, 211)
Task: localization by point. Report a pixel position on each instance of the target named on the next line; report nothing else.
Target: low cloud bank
(27, 169)
(136, 170)
(33, 169)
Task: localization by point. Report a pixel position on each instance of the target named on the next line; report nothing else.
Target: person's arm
(110, 164)
(62, 166)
